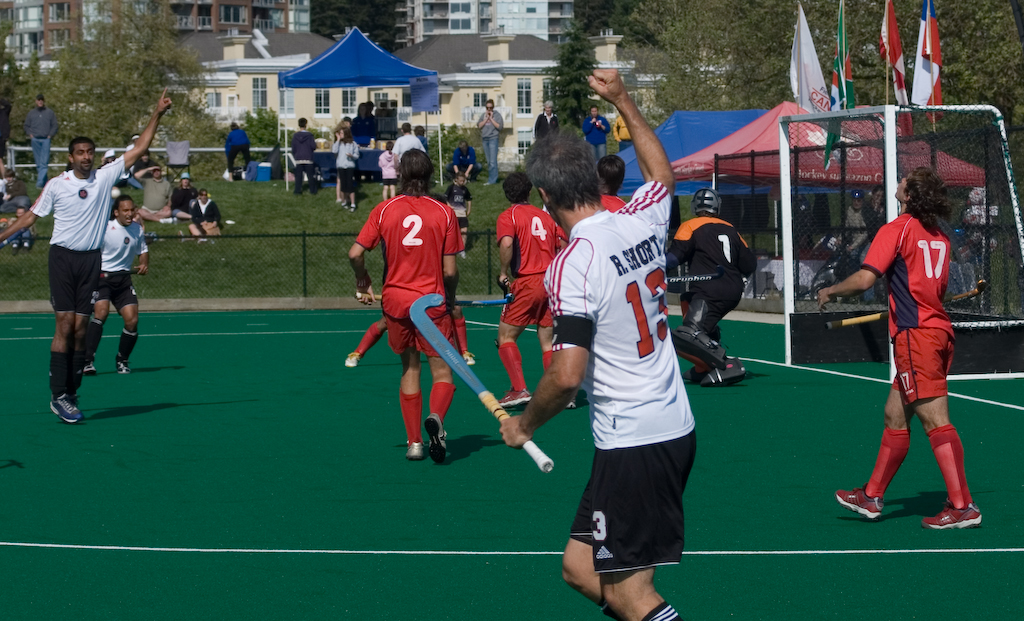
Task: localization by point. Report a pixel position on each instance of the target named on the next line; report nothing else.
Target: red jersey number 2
(655, 282)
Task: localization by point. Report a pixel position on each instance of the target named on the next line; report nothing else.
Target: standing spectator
(15, 193)
(303, 146)
(205, 216)
(464, 162)
(595, 130)
(388, 171)
(347, 152)
(41, 126)
(490, 125)
(5, 129)
(460, 200)
(407, 142)
(236, 143)
(621, 133)
(546, 123)
(421, 135)
(364, 126)
(182, 198)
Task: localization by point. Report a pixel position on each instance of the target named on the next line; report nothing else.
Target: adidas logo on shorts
(603, 554)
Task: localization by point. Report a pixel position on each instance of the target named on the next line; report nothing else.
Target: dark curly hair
(416, 172)
(926, 197)
(517, 187)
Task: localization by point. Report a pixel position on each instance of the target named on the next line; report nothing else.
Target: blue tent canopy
(687, 132)
(353, 62)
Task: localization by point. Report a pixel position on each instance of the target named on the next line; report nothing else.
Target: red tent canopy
(864, 165)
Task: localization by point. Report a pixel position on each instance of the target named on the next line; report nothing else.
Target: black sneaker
(438, 447)
(89, 369)
(122, 367)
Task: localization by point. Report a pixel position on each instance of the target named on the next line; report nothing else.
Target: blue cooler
(263, 172)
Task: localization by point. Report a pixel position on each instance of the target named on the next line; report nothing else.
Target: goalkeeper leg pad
(732, 373)
(693, 342)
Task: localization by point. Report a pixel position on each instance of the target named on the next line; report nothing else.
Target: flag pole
(888, 54)
(931, 62)
(799, 56)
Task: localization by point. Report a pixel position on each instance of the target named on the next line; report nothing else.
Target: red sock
(412, 412)
(698, 364)
(441, 395)
(949, 452)
(513, 361)
(895, 444)
(369, 339)
(546, 356)
(460, 327)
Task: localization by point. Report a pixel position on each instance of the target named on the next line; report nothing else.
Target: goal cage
(830, 215)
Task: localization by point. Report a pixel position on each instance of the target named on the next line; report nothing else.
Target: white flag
(805, 71)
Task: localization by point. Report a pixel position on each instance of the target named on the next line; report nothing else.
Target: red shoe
(951, 517)
(513, 398)
(859, 502)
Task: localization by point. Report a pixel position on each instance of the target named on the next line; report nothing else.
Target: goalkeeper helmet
(706, 199)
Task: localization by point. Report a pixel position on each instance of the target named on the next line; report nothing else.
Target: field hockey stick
(699, 277)
(853, 321)
(444, 349)
(505, 300)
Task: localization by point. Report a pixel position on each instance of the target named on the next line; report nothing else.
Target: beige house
(510, 69)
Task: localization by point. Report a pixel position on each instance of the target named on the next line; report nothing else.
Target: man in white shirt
(122, 242)
(407, 142)
(606, 291)
(79, 200)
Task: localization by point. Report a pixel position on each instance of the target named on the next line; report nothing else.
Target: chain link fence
(250, 266)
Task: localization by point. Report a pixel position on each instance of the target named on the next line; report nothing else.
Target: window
(259, 93)
(213, 100)
(60, 12)
(59, 39)
(428, 27)
(28, 17)
(323, 102)
(531, 9)
(547, 90)
(298, 18)
(286, 103)
(479, 99)
(349, 107)
(28, 42)
(277, 17)
(378, 98)
(459, 7)
(460, 25)
(525, 135)
(524, 96)
(231, 14)
(407, 99)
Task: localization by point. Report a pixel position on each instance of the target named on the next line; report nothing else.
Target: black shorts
(463, 222)
(389, 181)
(345, 183)
(74, 277)
(117, 287)
(631, 512)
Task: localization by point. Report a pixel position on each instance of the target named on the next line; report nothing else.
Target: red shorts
(923, 358)
(530, 305)
(402, 334)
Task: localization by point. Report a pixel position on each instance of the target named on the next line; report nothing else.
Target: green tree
(261, 125)
(575, 62)
(375, 20)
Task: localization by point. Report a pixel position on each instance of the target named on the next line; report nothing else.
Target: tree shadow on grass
(132, 410)
(11, 463)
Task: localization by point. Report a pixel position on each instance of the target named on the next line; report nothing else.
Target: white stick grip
(543, 461)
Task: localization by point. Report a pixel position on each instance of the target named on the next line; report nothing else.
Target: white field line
(68, 546)
(144, 335)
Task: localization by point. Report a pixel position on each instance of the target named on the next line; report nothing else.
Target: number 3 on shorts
(600, 526)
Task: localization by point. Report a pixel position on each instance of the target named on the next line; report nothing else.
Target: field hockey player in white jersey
(79, 200)
(606, 291)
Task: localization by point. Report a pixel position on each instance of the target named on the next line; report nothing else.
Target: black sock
(77, 363)
(58, 373)
(93, 334)
(662, 612)
(127, 344)
(607, 610)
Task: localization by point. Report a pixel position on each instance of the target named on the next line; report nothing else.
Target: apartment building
(419, 19)
(45, 26)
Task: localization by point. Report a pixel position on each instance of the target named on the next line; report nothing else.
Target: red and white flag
(891, 49)
(927, 79)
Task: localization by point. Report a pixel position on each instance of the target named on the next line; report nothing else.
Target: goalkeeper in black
(706, 242)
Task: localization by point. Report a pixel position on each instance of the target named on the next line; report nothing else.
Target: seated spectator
(237, 143)
(23, 239)
(364, 126)
(463, 161)
(182, 198)
(421, 134)
(611, 170)
(156, 196)
(205, 216)
(15, 193)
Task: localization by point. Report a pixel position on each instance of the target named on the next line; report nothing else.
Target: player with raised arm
(122, 242)
(79, 200)
(706, 242)
(528, 240)
(914, 253)
(421, 237)
(607, 295)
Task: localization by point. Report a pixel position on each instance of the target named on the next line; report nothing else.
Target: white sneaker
(469, 358)
(338, 200)
(462, 255)
(353, 359)
(414, 452)
(166, 220)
